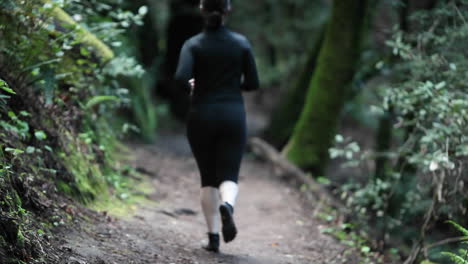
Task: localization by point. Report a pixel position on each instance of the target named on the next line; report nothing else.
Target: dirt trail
(275, 224)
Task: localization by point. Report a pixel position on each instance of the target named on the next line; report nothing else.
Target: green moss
(65, 188)
(88, 181)
(21, 240)
(16, 199)
(313, 134)
(285, 117)
(126, 204)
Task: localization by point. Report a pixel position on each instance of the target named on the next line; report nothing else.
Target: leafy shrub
(59, 92)
(425, 176)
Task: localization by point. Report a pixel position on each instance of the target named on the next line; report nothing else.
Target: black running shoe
(213, 243)
(229, 228)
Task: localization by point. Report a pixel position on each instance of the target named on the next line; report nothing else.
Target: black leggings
(217, 137)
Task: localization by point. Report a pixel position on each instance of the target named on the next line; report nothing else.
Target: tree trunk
(286, 115)
(383, 144)
(146, 36)
(384, 130)
(185, 22)
(313, 133)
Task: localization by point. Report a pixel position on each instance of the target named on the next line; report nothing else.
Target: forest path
(275, 224)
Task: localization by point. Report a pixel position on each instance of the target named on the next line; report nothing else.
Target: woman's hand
(192, 83)
(192, 86)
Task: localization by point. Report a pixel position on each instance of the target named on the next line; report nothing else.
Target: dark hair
(214, 11)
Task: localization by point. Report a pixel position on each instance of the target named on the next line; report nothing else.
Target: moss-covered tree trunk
(86, 38)
(313, 133)
(286, 115)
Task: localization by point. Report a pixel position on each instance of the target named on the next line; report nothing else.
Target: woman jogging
(216, 65)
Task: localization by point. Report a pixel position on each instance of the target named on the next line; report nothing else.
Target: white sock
(229, 191)
(210, 204)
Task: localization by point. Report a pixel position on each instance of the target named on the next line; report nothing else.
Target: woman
(217, 65)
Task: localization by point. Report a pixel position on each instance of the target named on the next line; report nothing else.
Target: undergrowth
(59, 94)
(403, 194)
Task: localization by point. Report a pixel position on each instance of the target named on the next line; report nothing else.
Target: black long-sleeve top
(222, 64)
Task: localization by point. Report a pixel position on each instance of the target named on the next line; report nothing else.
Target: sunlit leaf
(101, 99)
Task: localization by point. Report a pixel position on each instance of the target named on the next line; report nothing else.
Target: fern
(458, 259)
(460, 228)
(462, 256)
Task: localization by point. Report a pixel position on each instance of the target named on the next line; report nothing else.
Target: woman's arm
(185, 67)
(251, 81)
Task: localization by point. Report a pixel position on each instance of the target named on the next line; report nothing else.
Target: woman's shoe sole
(229, 228)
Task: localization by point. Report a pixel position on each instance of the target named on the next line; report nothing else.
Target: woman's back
(218, 59)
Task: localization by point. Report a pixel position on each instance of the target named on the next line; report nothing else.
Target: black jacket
(222, 64)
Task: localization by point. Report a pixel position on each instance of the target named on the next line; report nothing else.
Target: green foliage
(431, 102)
(355, 238)
(427, 99)
(15, 125)
(4, 87)
(460, 228)
(100, 99)
(67, 89)
(461, 257)
(136, 96)
(40, 135)
(427, 262)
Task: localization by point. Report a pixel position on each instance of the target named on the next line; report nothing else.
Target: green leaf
(40, 135)
(323, 180)
(30, 150)
(339, 138)
(34, 67)
(143, 10)
(455, 258)
(14, 151)
(80, 61)
(365, 249)
(440, 85)
(100, 99)
(84, 52)
(4, 87)
(460, 228)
